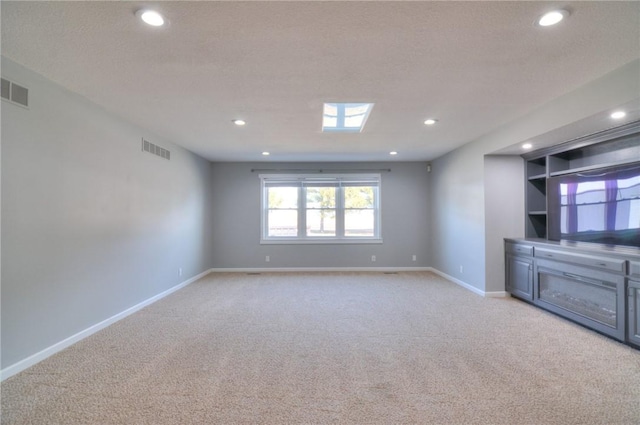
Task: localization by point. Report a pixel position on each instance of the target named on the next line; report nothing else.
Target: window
(345, 117)
(320, 208)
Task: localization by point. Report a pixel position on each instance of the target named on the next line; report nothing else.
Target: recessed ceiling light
(552, 18)
(151, 17)
(618, 115)
(265, 153)
(239, 122)
(393, 153)
(430, 121)
(527, 146)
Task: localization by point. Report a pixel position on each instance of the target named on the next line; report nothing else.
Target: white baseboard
(59, 346)
(496, 294)
(459, 282)
(492, 294)
(320, 269)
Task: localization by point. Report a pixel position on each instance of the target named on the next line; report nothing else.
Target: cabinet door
(520, 276)
(634, 312)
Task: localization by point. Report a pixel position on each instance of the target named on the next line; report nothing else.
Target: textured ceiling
(473, 65)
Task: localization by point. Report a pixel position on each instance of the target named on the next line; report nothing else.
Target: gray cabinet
(633, 313)
(519, 270)
(597, 286)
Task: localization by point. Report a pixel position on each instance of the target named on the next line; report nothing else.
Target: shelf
(587, 168)
(537, 168)
(538, 177)
(537, 213)
(536, 195)
(536, 226)
(618, 151)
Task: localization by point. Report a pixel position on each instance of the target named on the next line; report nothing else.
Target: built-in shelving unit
(593, 284)
(536, 197)
(615, 146)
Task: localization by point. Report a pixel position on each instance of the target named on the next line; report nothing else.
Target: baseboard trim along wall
(493, 294)
(320, 269)
(496, 294)
(59, 346)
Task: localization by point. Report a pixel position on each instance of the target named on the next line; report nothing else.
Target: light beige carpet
(332, 348)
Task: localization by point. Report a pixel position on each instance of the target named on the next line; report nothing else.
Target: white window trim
(323, 240)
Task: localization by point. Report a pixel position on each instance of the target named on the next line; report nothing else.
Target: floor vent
(147, 146)
(390, 272)
(253, 274)
(15, 93)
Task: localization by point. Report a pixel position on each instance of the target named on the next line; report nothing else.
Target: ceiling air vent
(15, 93)
(155, 149)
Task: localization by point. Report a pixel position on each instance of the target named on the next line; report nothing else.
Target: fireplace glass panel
(594, 301)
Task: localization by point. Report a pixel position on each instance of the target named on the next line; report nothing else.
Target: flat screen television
(600, 206)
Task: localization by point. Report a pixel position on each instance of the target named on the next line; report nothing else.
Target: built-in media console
(595, 285)
(581, 255)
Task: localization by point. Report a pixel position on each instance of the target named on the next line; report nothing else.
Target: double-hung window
(320, 208)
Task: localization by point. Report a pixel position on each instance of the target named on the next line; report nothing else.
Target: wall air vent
(155, 149)
(15, 93)
(6, 89)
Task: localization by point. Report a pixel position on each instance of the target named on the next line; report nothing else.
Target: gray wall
(504, 213)
(90, 224)
(457, 215)
(458, 185)
(236, 223)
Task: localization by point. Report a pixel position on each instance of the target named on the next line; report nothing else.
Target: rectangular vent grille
(15, 93)
(155, 149)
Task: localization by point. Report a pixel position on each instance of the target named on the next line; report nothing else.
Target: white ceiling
(473, 65)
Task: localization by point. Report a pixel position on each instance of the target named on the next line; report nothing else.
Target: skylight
(345, 117)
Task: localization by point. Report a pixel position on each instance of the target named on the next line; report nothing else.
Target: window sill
(320, 241)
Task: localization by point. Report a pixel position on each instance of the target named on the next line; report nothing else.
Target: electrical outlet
(413, 258)
(461, 269)
(180, 271)
(267, 259)
(373, 258)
